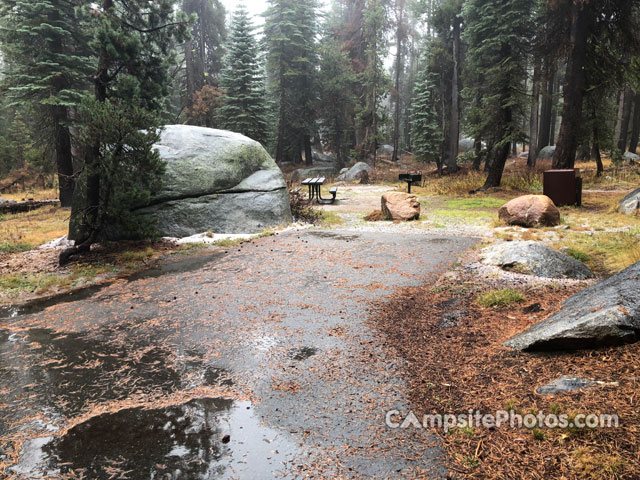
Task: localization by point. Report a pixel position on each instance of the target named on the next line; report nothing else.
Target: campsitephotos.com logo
(499, 419)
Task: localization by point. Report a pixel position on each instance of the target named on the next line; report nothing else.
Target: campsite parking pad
(260, 363)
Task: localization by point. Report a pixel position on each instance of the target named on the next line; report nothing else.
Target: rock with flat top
(534, 258)
(400, 206)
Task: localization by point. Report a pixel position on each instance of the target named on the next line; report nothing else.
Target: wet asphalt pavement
(256, 363)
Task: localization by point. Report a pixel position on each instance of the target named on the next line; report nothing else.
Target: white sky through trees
(256, 8)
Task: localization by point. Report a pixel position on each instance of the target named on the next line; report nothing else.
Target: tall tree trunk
(546, 109)
(64, 157)
(627, 103)
(399, 68)
(635, 124)
(59, 116)
(596, 142)
(533, 119)
(454, 134)
(477, 147)
(574, 88)
(308, 154)
(281, 114)
(91, 224)
(554, 114)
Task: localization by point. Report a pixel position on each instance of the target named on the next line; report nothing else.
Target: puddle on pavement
(37, 306)
(65, 372)
(335, 236)
(203, 439)
(302, 353)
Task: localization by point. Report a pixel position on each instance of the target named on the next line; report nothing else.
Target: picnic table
(314, 185)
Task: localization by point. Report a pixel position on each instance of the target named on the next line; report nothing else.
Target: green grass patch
(137, 255)
(606, 252)
(10, 247)
(578, 255)
(330, 219)
(475, 202)
(229, 242)
(500, 298)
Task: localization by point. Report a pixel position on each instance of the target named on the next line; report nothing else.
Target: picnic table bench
(314, 185)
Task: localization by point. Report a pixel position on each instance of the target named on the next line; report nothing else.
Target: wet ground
(254, 363)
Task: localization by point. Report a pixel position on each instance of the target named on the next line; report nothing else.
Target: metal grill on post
(410, 178)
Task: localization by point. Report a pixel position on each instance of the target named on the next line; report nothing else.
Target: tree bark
(627, 103)
(454, 134)
(574, 88)
(546, 109)
(62, 138)
(308, 154)
(554, 113)
(534, 117)
(399, 68)
(635, 124)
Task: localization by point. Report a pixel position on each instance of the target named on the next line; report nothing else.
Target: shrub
(500, 298)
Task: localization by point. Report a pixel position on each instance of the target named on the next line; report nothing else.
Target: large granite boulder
(215, 180)
(546, 153)
(631, 203)
(466, 145)
(323, 158)
(311, 172)
(400, 206)
(529, 211)
(604, 314)
(630, 157)
(534, 258)
(385, 150)
(360, 171)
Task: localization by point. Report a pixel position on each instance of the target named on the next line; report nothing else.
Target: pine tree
(337, 82)
(244, 109)
(375, 82)
(290, 30)
(204, 49)
(121, 120)
(426, 125)
(42, 42)
(498, 38)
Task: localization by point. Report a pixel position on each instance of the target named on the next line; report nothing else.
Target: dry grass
(32, 229)
(34, 194)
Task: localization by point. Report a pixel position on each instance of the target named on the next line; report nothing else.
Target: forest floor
(460, 367)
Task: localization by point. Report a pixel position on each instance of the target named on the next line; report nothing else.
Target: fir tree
(49, 65)
(498, 35)
(290, 30)
(426, 125)
(244, 109)
(337, 82)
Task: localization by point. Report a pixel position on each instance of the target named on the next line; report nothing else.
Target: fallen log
(21, 207)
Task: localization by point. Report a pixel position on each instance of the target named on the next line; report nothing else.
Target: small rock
(547, 153)
(631, 203)
(533, 308)
(631, 158)
(529, 211)
(565, 384)
(534, 258)
(400, 206)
